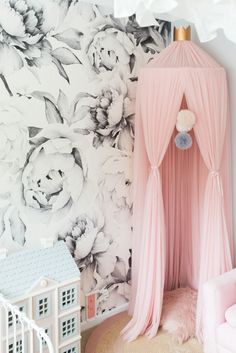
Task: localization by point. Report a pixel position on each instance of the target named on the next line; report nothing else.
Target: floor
(84, 340)
(111, 342)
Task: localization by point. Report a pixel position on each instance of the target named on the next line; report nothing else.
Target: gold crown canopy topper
(182, 33)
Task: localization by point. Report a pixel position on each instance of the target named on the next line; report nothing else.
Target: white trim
(56, 323)
(38, 287)
(97, 320)
(75, 344)
(31, 334)
(70, 341)
(70, 311)
(43, 290)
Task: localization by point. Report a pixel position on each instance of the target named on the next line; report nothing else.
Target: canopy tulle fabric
(182, 199)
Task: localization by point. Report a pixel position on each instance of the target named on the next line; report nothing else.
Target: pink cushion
(230, 315)
(226, 336)
(179, 313)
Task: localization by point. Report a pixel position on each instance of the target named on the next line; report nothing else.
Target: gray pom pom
(183, 141)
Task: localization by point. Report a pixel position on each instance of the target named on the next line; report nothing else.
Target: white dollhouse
(46, 287)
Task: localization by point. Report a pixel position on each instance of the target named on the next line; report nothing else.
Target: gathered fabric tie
(216, 173)
(154, 168)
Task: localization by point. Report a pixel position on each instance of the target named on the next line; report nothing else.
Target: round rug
(106, 338)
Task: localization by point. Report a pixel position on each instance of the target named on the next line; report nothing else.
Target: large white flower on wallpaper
(53, 176)
(118, 290)
(109, 49)
(111, 295)
(115, 200)
(116, 183)
(25, 27)
(113, 45)
(107, 111)
(93, 252)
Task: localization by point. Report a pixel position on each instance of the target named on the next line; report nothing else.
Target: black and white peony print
(68, 75)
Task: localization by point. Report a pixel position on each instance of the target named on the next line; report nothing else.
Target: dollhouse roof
(20, 271)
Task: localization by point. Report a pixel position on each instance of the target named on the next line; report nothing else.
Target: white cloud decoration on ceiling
(208, 16)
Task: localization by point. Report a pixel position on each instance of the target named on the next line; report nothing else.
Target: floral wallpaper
(68, 73)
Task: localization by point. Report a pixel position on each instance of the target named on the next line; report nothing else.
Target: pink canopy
(182, 199)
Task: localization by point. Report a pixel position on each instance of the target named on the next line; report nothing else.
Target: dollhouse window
(43, 307)
(19, 347)
(68, 327)
(70, 350)
(10, 317)
(44, 343)
(47, 333)
(68, 297)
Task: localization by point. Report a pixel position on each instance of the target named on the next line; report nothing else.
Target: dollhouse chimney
(47, 242)
(3, 253)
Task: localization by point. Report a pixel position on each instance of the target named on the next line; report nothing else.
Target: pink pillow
(230, 315)
(179, 313)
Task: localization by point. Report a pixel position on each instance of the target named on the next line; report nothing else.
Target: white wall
(224, 52)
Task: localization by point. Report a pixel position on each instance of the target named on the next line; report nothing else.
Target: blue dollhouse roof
(21, 270)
